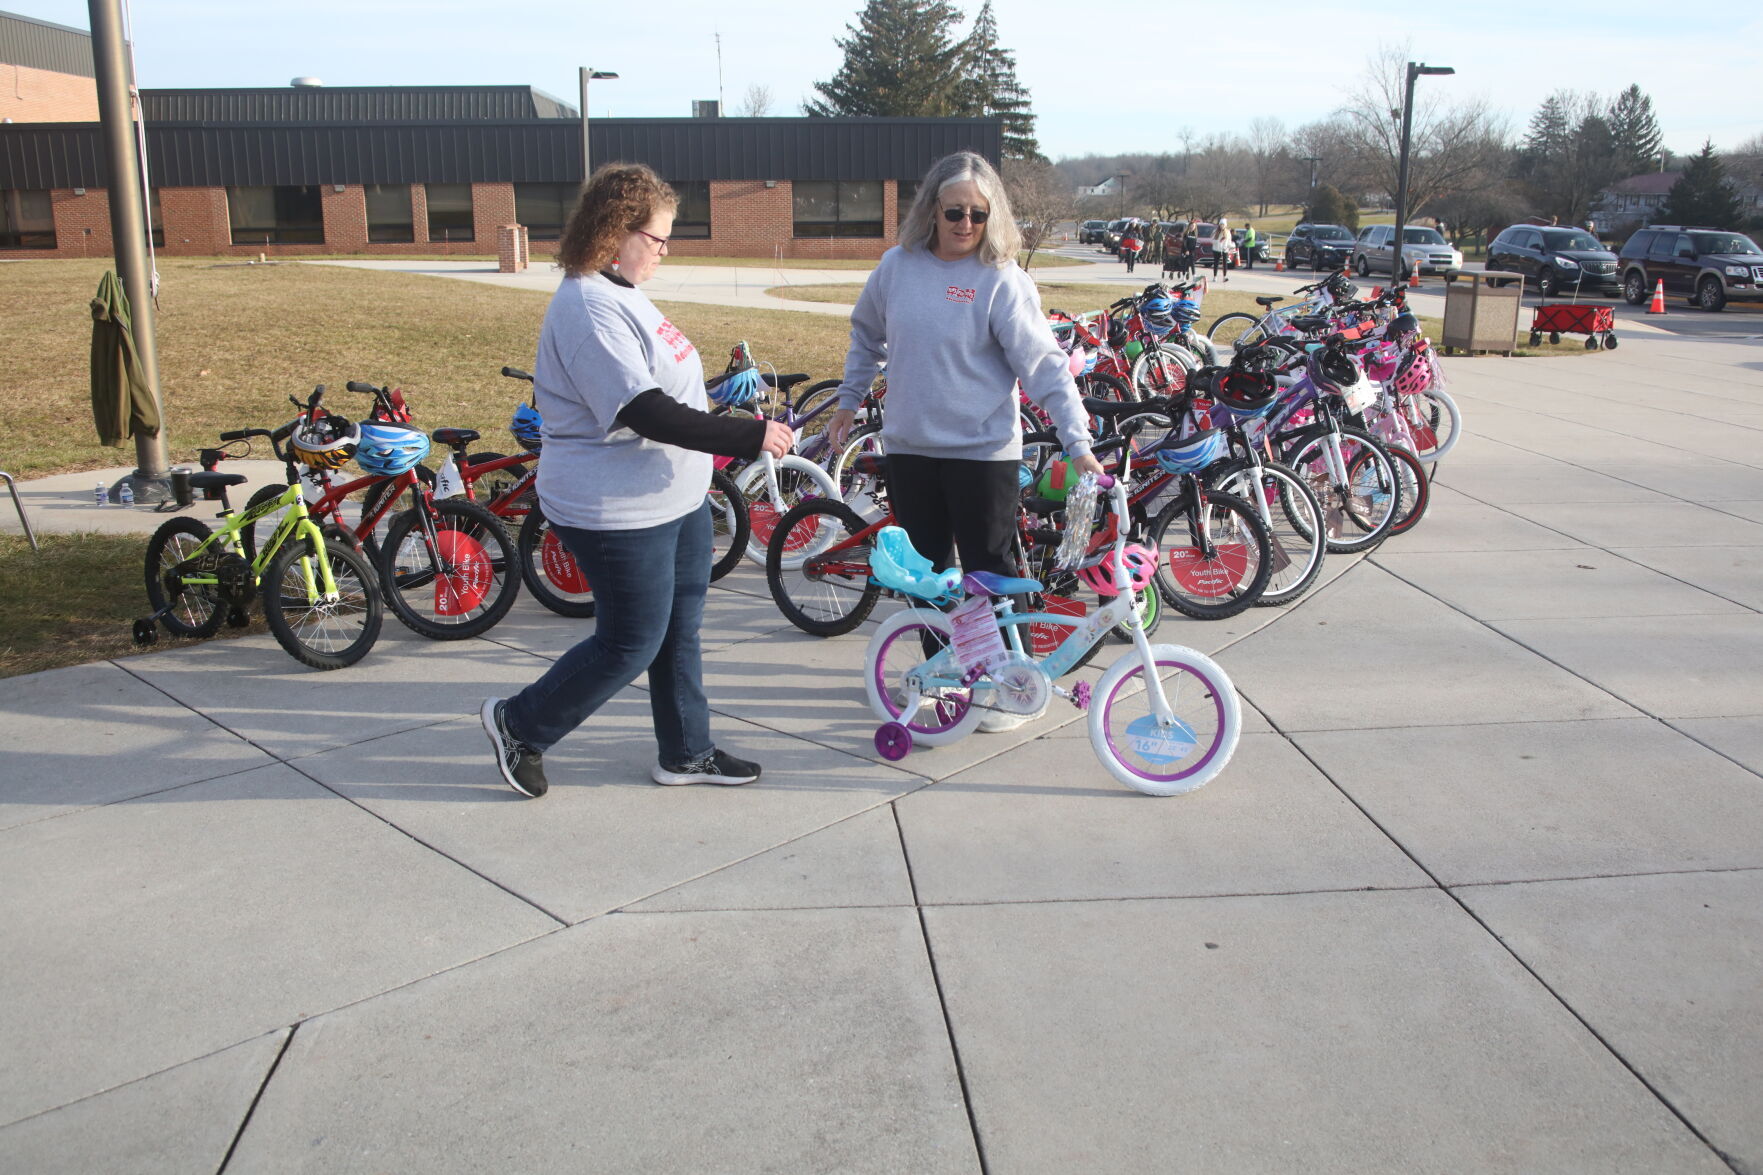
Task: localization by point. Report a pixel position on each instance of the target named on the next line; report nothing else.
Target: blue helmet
(737, 389)
(1186, 312)
(1157, 312)
(1193, 453)
(527, 426)
(390, 449)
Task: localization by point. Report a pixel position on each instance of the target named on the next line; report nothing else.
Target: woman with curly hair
(623, 483)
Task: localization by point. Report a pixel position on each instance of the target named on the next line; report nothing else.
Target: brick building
(435, 170)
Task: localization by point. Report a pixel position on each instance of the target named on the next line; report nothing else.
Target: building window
(692, 217)
(838, 208)
(450, 212)
(156, 234)
(388, 213)
(544, 208)
(27, 220)
(908, 193)
(285, 215)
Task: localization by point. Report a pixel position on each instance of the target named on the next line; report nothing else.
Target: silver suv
(1422, 248)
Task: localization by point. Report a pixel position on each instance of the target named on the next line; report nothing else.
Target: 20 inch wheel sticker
(470, 580)
(560, 566)
(1213, 577)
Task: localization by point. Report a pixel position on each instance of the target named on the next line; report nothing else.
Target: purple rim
(1218, 711)
(882, 691)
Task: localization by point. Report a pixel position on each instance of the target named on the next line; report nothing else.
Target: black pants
(947, 505)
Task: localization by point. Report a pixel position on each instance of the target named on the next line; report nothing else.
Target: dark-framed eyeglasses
(956, 215)
(662, 241)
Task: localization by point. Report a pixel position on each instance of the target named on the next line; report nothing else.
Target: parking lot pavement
(1478, 892)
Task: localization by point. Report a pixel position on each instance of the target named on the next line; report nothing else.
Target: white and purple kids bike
(1163, 719)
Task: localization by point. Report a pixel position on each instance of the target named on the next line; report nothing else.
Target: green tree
(1569, 155)
(1702, 195)
(1328, 206)
(991, 88)
(901, 61)
(1634, 130)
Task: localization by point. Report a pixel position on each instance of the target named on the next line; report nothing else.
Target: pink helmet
(1141, 565)
(1414, 376)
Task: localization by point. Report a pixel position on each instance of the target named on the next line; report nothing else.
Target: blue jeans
(649, 588)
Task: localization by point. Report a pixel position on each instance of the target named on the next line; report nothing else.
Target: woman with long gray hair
(959, 325)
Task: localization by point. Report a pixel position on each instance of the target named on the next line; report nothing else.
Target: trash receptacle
(1481, 311)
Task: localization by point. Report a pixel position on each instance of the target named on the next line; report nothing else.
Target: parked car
(1556, 260)
(1112, 234)
(1090, 232)
(1422, 248)
(1204, 230)
(1261, 252)
(1710, 267)
(1319, 246)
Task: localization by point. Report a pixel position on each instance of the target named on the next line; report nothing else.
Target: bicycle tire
(1295, 529)
(1357, 516)
(1234, 330)
(1157, 760)
(550, 571)
(187, 611)
(1105, 386)
(316, 634)
(830, 592)
(474, 595)
(897, 647)
(1162, 371)
(1150, 615)
(798, 479)
(1416, 488)
(864, 441)
(1228, 581)
(729, 526)
(1436, 409)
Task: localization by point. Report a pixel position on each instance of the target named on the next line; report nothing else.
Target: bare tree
(1040, 195)
(757, 101)
(1452, 145)
(1267, 140)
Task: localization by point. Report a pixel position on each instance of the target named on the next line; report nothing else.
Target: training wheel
(893, 741)
(145, 632)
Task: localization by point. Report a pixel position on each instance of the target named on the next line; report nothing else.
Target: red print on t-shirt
(670, 334)
(957, 294)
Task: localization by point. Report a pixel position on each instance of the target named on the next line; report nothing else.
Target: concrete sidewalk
(1481, 891)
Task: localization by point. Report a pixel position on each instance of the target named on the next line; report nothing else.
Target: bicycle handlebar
(517, 373)
(365, 389)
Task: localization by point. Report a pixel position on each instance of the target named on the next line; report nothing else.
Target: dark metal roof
(37, 44)
(68, 155)
(332, 104)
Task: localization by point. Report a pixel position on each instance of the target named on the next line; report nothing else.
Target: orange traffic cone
(1414, 277)
(1658, 306)
(1279, 265)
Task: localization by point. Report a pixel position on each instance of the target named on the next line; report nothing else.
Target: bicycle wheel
(1106, 387)
(798, 479)
(1357, 514)
(1436, 420)
(459, 585)
(829, 592)
(728, 525)
(551, 573)
(1235, 330)
(1150, 615)
(1162, 371)
(1165, 759)
(325, 634)
(1214, 563)
(196, 610)
(895, 651)
(1416, 487)
(1296, 543)
(859, 486)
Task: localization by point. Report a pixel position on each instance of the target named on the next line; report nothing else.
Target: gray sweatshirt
(957, 336)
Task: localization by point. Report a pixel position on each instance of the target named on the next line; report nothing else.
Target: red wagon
(1597, 323)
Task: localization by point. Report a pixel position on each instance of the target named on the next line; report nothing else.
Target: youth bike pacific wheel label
(469, 582)
(560, 566)
(1215, 577)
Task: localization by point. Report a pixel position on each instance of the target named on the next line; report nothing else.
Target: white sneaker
(999, 721)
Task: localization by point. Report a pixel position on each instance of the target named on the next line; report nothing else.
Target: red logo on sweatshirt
(957, 294)
(670, 334)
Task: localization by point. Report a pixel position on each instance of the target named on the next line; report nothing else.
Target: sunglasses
(956, 215)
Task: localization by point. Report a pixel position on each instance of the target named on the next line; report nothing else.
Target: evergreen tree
(1544, 142)
(900, 62)
(1634, 130)
(1702, 195)
(991, 89)
(1328, 206)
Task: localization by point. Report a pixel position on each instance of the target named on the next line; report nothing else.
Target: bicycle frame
(297, 523)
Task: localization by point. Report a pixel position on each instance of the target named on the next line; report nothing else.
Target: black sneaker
(715, 767)
(521, 766)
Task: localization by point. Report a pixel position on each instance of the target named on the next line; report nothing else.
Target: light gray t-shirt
(602, 345)
(957, 336)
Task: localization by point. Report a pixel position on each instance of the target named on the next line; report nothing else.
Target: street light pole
(1415, 70)
(588, 75)
(1121, 176)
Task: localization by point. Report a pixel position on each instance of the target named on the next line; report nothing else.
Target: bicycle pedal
(238, 618)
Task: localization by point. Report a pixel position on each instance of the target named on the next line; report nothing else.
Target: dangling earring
(615, 263)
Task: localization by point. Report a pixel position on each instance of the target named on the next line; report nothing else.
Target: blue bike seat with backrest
(898, 567)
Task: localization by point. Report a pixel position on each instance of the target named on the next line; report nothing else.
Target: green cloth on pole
(122, 403)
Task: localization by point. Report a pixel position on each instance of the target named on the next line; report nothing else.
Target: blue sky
(1705, 74)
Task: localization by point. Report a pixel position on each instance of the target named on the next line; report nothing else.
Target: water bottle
(127, 495)
(99, 495)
